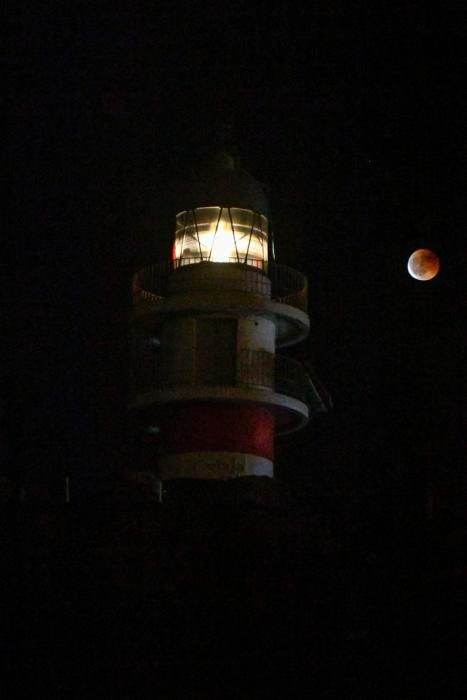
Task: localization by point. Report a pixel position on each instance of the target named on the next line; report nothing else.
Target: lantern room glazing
(220, 235)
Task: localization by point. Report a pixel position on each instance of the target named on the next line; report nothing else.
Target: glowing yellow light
(220, 243)
(222, 235)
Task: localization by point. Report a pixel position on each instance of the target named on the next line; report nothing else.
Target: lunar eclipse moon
(423, 264)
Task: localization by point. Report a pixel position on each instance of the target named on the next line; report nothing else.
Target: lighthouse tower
(208, 324)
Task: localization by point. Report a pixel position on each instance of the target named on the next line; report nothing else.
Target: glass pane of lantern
(221, 234)
(251, 236)
(186, 246)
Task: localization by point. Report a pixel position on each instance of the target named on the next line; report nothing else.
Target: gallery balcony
(269, 290)
(278, 382)
(286, 285)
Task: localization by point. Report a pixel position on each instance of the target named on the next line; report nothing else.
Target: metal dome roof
(218, 180)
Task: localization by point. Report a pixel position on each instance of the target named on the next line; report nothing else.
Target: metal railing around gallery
(288, 286)
(255, 368)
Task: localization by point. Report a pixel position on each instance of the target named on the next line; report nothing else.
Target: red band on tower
(209, 427)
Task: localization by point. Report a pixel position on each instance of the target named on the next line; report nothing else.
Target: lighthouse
(209, 381)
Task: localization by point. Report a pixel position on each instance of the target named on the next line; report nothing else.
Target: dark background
(354, 118)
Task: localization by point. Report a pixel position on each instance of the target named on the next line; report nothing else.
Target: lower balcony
(275, 381)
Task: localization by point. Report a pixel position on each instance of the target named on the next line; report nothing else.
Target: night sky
(354, 118)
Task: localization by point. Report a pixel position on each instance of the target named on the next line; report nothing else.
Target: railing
(290, 378)
(243, 260)
(288, 286)
(256, 368)
(150, 283)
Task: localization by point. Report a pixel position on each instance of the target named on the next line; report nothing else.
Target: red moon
(423, 264)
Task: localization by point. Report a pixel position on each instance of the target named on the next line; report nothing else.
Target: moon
(423, 264)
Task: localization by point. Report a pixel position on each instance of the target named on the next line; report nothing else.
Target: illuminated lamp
(221, 234)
